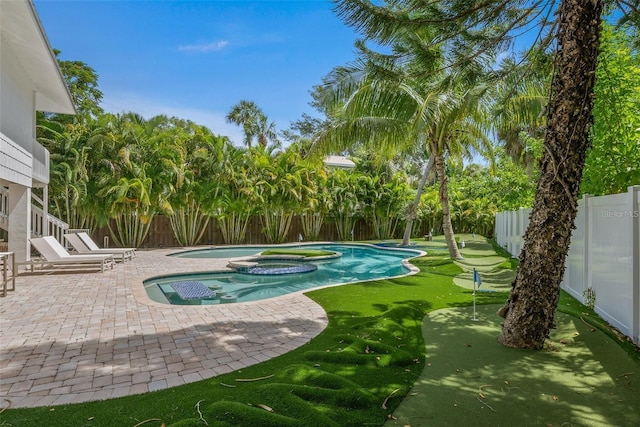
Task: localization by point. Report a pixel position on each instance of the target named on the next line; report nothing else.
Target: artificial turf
(355, 373)
(581, 378)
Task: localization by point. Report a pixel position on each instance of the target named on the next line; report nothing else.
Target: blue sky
(196, 59)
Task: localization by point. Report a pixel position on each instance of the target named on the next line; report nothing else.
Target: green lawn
(357, 371)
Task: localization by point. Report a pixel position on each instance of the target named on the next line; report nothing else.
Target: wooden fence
(160, 235)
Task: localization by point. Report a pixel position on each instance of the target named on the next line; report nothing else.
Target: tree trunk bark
(529, 311)
(443, 192)
(411, 215)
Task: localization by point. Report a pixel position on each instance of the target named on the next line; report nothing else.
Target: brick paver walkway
(74, 337)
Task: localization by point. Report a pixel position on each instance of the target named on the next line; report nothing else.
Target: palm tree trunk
(447, 228)
(411, 215)
(530, 309)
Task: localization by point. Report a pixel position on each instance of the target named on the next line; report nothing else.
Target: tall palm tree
(246, 114)
(266, 131)
(530, 309)
(385, 102)
(473, 28)
(254, 123)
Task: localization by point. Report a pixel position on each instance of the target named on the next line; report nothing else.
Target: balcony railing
(40, 226)
(16, 163)
(49, 226)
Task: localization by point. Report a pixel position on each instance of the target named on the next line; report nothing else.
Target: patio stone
(79, 336)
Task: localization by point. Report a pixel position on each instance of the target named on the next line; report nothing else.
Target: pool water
(357, 263)
(232, 252)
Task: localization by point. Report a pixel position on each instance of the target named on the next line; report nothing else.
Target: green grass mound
(343, 380)
(357, 351)
(496, 271)
(300, 395)
(487, 263)
(308, 253)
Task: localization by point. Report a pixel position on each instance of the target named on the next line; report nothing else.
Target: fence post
(634, 192)
(513, 231)
(522, 228)
(586, 242)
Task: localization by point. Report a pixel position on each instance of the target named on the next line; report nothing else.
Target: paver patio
(79, 336)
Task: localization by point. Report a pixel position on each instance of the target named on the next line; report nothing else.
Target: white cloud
(204, 47)
(147, 108)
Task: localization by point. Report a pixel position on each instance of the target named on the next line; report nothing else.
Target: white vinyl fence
(604, 254)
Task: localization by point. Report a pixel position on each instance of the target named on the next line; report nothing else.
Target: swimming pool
(222, 252)
(358, 263)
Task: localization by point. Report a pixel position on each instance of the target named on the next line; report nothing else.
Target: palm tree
(344, 204)
(472, 29)
(314, 204)
(266, 131)
(391, 201)
(245, 114)
(529, 311)
(255, 124)
(131, 209)
(132, 189)
(281, 182)
(236, 196)
(429, 210)
(69, 177)
(192, 155)
(386, 103)
(518, 108)
(80, 154)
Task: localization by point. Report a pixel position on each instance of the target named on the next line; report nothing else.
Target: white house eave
(20, 27)
(339, 162)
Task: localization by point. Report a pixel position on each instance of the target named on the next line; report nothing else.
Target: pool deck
(69, 337)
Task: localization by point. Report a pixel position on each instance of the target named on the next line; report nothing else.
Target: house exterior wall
(16, 120)
(17, 100)
(30, 80)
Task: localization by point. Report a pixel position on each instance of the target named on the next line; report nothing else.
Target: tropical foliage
(469, 30)
(613, 162)
(122, 170)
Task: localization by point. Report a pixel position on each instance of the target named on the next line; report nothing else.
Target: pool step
(241, 265)
(225, 299)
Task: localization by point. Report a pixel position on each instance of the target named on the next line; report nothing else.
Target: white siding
(17, 109)
(15, 162)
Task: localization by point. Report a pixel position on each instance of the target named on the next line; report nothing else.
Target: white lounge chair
(89, 243)
(55, 255)
(78, 244)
